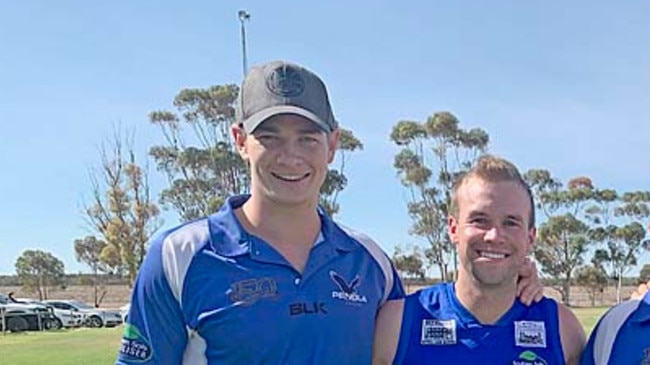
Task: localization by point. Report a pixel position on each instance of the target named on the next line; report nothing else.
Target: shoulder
(572, 334)
(171, 252)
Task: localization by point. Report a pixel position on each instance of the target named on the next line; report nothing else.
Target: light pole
(243, 17)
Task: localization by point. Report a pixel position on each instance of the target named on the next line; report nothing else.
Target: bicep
(572, 335)
(387, 331)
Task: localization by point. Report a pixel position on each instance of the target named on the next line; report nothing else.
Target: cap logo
(286, 82)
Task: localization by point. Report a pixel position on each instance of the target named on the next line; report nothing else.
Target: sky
(558, 85)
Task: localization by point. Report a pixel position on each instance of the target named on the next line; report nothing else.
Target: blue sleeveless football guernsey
(437, 329)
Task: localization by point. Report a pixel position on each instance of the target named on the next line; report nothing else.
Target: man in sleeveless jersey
(269, 278)
(478, 319)
(622, 335)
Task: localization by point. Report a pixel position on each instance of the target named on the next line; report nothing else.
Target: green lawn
(589, 316)
(90, 346)
(83, 346)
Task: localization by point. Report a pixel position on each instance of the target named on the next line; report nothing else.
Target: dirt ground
(117, 295)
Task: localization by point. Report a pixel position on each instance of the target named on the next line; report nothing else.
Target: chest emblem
(347, 290)
(530, 334)
(438, 332)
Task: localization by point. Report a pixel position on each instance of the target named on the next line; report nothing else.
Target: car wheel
(95, 322)
(54, 324)
(17, 324)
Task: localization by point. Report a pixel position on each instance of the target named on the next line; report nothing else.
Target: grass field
(89, 346)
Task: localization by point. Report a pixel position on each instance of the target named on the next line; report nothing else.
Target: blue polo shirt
(622, 335)
(438, 329)
(210, 293)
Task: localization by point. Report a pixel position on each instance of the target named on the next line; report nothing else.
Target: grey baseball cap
(281, 87)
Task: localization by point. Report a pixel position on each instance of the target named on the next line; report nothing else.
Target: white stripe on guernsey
(608, 329)
(379, 256)
(178, 251)
(195, 350)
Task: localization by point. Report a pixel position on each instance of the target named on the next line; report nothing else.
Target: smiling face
(289, 157)
(491, 230)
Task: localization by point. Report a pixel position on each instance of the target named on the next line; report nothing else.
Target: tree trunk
(566, 290)
(619, 283)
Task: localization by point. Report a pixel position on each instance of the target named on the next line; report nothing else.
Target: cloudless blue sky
(557, 85)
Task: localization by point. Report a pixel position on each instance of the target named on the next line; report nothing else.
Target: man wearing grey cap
(269, 278)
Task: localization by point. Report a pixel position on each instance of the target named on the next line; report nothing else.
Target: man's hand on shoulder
(641, 290)
(529, 287)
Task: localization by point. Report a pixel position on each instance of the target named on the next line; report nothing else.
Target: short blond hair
(493, 169)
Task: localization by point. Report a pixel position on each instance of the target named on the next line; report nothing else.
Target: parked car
(124, 311)
(22, 317)
(63, 317)
(94, 317)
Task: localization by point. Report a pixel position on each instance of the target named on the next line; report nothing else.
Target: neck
(486, 303)
(281, 224)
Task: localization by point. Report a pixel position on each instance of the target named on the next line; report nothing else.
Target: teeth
(290, 177)
(492, 255)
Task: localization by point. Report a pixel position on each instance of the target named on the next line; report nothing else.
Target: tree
(593, 279)
(408, 264)
(38, 271)
(335, 181)
(623, 246)
(562, 243)
(202, 166)
(100, 258)
(122, 211)
(644, 274)
(434, 153)
(563, 239)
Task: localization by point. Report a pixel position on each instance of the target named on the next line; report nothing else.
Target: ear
(239, 136)
(452, 228)
(333, 144)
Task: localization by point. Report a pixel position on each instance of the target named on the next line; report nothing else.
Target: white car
(93, 317)
(21, 317)
(64, 317)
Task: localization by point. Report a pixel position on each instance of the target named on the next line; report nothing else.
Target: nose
(494, 234)
(289, 153)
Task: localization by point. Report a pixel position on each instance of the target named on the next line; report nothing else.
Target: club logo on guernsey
(438, 332)
(348, 291)
(249, 291)
(135, 347)
(529, 358)
(530, 334)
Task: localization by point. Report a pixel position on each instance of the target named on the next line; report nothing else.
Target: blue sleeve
(155, 332)
(397, 291)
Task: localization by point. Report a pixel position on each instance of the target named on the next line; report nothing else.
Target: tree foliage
(593, 279)
(198, 157)
(433, 153)
(39, 271)
(563, 239)
(409, 263)
(122, 211)
(336, 181)
(101, 258)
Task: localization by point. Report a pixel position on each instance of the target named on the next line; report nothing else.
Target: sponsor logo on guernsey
(250, 290)
(530, 334)
(646, 357)
(297, 309)
(348, 290)
(135, 347)
(438, 332)
(529, 358)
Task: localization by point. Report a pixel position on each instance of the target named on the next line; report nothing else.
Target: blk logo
(297, 309)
